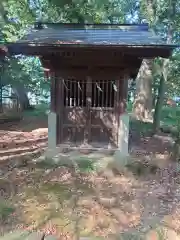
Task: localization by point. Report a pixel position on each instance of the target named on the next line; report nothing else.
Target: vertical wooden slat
(121, 96)
(92, 94)
(87, 128)
(53, 94)
(95, 94)
(125, 90)
(59, 106)
(98, 94)
(84, 94)
(107, 93)
(110, 94)
(101, 91)
(62, 109)
(117, 108)
(77, 94)
(68, 91)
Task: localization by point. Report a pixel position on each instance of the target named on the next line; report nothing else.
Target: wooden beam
(104, 73)
(94, 61)
(138, 51)
(82, 74)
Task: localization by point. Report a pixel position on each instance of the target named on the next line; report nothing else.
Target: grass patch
(38, 111)
(86, 165)
(82, 164)
(141, 127)
(6, 210)
(169, 115)
(61, 191)
(47, 164)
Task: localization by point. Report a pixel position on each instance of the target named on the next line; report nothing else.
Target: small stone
(85, 151)
(107, 202)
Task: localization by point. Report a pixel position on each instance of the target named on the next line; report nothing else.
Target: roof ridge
(143, 27)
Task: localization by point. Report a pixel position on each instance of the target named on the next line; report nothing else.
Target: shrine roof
(90, 35)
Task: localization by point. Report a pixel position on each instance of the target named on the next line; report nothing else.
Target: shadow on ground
(80, 201)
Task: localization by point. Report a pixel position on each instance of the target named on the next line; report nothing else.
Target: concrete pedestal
(52, 134)
(123, 134)
(122, 155)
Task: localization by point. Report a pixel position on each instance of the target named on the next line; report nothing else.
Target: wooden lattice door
(88, 115)
(103, 117)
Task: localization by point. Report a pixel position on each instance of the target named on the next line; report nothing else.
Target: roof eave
(34, 49)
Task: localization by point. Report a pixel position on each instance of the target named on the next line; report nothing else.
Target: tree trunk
(20, 92)
(142, 107)
(159, 105)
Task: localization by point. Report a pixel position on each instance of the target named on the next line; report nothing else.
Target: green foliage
(143, 128)
(39, 111)
(81, 164)
(163, 17)
(176, 137)
(173, 83)
(27, 72)
(5, 210)
(94, 11)
(85, 164)
(16, 17)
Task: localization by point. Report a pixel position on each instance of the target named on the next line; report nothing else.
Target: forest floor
(71, 203)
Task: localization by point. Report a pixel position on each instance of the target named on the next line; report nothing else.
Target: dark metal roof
(47, 38)
(97, 34)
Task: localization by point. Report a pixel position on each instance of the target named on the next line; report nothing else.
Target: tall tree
(169, 16)
(142, 107)
(143, 102)
(162, 17)
(15, 17)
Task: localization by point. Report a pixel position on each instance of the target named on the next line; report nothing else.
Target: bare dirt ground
(70, 203)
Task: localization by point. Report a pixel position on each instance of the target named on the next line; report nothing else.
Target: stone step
(24, 142)
(21, 150)
(19, 159)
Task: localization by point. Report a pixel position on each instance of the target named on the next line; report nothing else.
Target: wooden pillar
(87, 130)
(59, 108)
(53, 93)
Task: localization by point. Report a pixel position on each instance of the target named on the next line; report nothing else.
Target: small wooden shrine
(89, 67)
